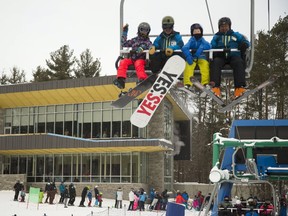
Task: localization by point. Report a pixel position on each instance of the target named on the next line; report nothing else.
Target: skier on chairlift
(227, 39)
(136, 56)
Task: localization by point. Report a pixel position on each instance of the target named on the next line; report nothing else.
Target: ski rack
(226, 71)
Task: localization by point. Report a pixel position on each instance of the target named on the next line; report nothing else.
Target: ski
(248, 93)
(187, 91)
(218, 100)
(127, 97)
(173, 68)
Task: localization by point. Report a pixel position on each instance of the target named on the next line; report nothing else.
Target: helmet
(144, 28)
(196, 26)
(167, 22)
(224, 20)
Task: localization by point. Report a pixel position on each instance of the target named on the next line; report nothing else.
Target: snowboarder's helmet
(167, 22)
(196, 26)
(223, 21)
(144, 28)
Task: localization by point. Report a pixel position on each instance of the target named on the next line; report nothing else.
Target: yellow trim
(84, 94)
(84, 150)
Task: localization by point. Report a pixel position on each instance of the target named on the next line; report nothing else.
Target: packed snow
(15, 208)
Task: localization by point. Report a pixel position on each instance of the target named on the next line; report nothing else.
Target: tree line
(61, 65)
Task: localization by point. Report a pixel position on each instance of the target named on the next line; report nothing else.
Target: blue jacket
(89, 195)
(198, 45)
(230, 39)
(142, 197)
(61, 188)
(173, 41)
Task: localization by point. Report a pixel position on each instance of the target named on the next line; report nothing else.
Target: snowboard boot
(119, 82)
(187, 86)
(216, 91)
(239, 92)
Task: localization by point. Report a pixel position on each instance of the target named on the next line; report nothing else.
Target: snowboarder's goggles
(167, 26)
(143, 30)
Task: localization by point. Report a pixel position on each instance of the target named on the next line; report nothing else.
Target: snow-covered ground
(12, 208)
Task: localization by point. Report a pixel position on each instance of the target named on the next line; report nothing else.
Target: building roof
(71, 91)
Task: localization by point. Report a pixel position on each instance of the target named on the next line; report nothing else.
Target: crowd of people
(154, 200)
(169, 42)
(249, 207)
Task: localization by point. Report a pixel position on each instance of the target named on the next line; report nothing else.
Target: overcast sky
(32, 29)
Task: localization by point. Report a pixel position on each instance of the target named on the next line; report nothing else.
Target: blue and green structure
(254, 153)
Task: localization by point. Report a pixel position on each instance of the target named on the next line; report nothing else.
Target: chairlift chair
(227, 71)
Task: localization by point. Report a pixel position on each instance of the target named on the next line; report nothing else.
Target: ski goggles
(167, 26)
(144, 30)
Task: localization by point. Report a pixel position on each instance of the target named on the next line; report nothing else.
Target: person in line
(266, 208)
(96, 193)
(224, 205)
(41, 195)
(136, 57)
(131, 199)
(179, 199)
(164, 199)
(167, 42)
(72, 194)
(61, 190)
(83, 196)
(22, 195)
(53, 191)
(142, 199)
(65, 195)
(100, 200)
(89, 196)
(194, 55)
(119, 198)
(186, 198)
(227, 39)
(17, 188)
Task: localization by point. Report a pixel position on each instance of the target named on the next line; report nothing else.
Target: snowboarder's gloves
(168, 52)
(198, 52)
(125, 28)
(242, 47)
(152, 50)
(139, 50)
(189, 60)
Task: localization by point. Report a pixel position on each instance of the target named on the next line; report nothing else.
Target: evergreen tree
(4, 78)
(17, 76)
(86, 66)
(61, 63)
(41, 74)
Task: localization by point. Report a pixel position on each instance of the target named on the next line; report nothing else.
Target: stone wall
(1, 121)
(7, 182)
(156, 170)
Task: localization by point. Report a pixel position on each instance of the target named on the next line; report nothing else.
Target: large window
(89, 120)
(93, 167)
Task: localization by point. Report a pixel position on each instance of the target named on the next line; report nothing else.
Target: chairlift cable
(207, 6)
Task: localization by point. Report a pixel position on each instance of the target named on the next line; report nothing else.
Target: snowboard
(218, 100)
(134, 92)
(173, 68)
(248, 93)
